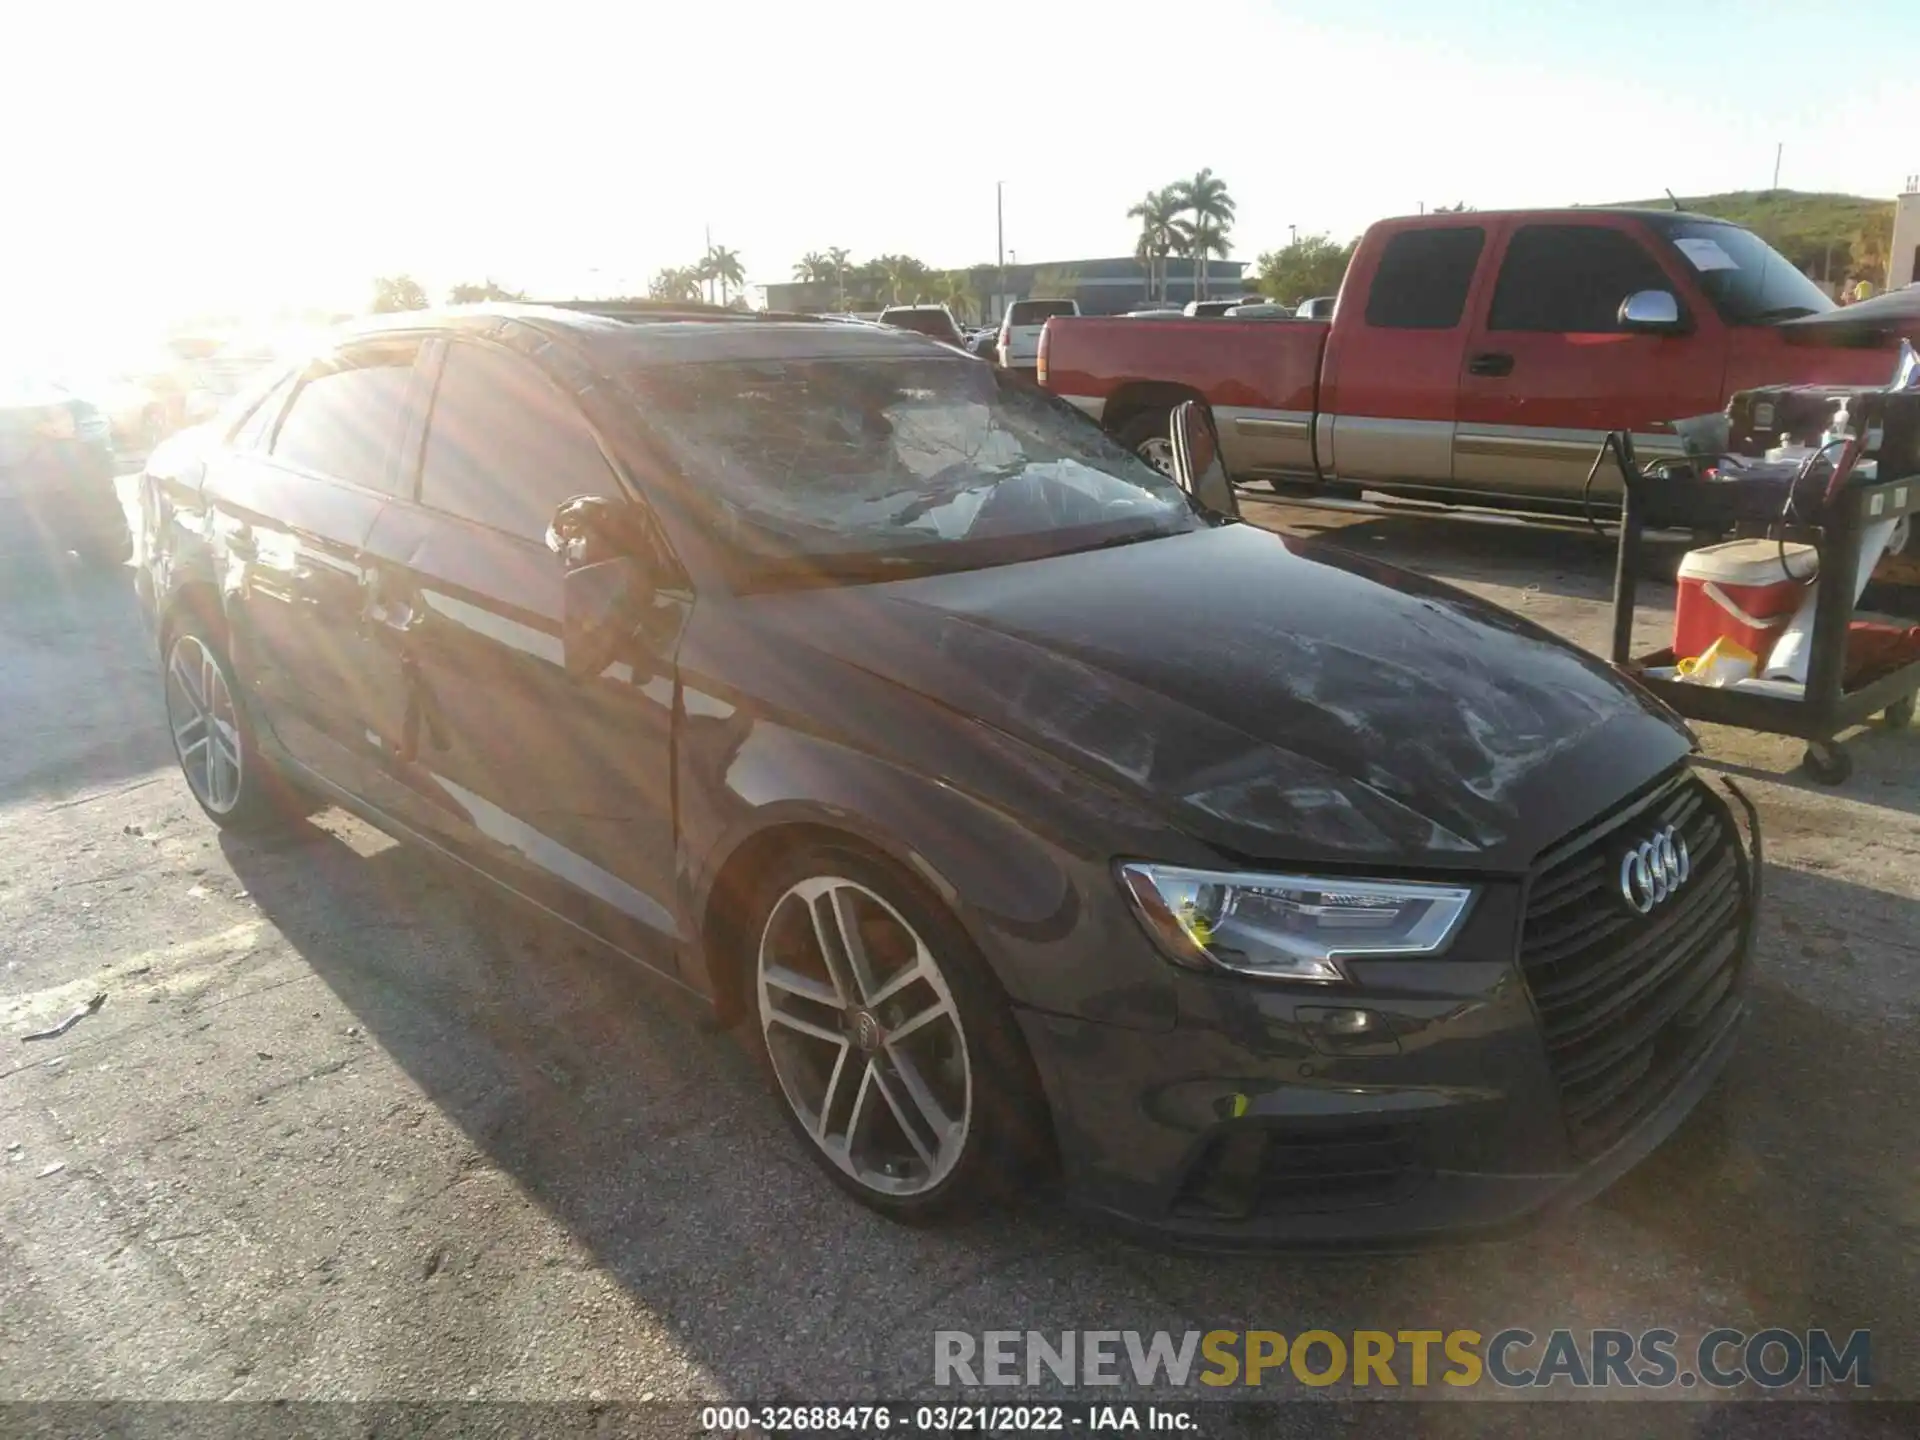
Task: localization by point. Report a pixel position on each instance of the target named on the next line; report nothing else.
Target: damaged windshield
(939, 461)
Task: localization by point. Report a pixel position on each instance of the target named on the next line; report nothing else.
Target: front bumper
(1252, 1125)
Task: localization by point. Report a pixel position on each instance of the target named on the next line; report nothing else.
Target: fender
(1021, 897)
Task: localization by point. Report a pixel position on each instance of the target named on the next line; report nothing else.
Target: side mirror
(1196, 461)
(606, 590)
(1650, 312)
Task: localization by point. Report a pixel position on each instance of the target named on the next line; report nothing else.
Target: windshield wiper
(1784, 312)
(1154, 532)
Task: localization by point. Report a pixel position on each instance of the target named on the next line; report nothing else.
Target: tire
(865, 1085)
(213, 737)
(1150, 436)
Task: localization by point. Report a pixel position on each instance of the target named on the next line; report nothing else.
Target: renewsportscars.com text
(1722, 1359)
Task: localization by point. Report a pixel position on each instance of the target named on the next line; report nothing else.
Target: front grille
(1627, 1002)
(1250, 1170)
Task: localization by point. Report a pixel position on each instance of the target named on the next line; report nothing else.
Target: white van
(1020, 330)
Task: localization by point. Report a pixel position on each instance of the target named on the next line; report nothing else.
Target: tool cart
(1812, 512)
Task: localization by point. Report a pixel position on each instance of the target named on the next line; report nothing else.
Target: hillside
(1802, 226)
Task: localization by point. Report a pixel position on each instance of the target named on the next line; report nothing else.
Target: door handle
(1491, 362)
(386, 609)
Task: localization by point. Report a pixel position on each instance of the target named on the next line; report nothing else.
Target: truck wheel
(1150, 436)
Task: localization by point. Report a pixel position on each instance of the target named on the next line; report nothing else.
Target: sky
(210, 156)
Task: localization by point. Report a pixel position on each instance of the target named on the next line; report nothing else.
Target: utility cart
(1673, 495)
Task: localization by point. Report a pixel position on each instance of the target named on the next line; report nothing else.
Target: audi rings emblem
(1654, 869)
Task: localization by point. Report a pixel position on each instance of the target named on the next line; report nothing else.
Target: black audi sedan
(1031, 818)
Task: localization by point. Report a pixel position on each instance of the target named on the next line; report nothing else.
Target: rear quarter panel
(1260, 378)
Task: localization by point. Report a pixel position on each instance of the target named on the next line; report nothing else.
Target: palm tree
(678, 282)
(1156, 211)
(1205, 197)
(956, 293)
(903, 274)
(869, 283)
(837, 257)
(1201, 239)
(392, 293)
(723, 265)
(812, 266)
(488, 289)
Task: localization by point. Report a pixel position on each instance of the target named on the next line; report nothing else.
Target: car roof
(1564, 212)
(627, 334)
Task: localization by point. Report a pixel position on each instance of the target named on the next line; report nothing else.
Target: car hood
(1275, 698)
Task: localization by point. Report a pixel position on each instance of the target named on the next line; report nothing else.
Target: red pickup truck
(1472, 358)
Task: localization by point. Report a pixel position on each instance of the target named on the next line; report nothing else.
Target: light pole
(1000, 233)
(1293, 235)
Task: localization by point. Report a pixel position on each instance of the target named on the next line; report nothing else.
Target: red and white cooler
(1741, 591)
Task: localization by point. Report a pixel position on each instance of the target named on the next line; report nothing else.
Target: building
(1903, 262)
(1102, 287)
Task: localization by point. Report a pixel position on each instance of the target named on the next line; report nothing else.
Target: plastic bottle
(1840, 427)
(1786, 452)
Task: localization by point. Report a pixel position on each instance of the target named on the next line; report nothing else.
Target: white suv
(1020, 330)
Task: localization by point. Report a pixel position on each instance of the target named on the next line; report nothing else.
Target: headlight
(1291, 927)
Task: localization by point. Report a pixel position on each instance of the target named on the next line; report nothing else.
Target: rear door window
(925, 322)
(346, 418)
(1424, 277)
(504, 447)
(1570, 279)
(1037, 312)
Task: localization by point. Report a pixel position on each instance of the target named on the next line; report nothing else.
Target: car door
(1549, 370)
(1393, 363)
(294, 500)
(560, 787)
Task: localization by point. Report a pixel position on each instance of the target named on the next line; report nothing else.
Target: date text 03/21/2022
(942, 1419)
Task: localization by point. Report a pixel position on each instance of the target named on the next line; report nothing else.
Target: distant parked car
(1020, 330)
(984, 343)
(936, 322)
(1219, 307)
(1318, 308)
(56, 473)
(1159, 312)
(1261, 311)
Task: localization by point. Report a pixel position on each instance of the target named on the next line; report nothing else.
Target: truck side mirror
(606, 588)
(1650, 312)
(1196, 460)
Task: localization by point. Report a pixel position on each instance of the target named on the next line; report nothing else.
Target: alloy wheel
(206, 730)
(1158, 452)
(864, 1036)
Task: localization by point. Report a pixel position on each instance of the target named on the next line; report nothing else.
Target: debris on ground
(54, 1032)
(53, 1169)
